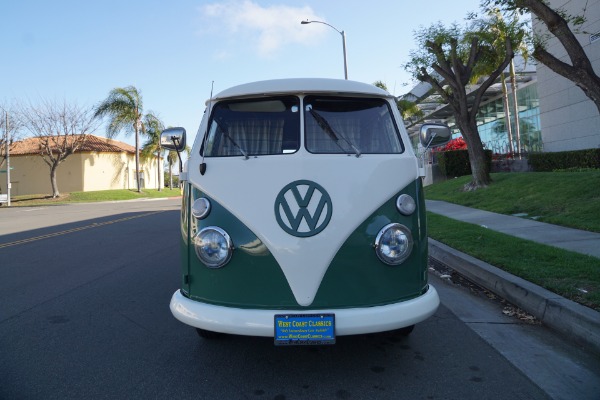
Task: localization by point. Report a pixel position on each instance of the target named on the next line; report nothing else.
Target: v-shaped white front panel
(347, 190)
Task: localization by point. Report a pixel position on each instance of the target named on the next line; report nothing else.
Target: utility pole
(7, 160)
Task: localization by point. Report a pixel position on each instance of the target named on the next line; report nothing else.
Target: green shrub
(456, 163)
(565, 160)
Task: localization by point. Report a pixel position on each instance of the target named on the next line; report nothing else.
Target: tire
(204, 334)
(406, 330)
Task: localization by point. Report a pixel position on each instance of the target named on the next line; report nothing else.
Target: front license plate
(304, 329)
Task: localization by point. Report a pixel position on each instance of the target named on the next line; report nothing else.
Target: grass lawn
(88, 197)
(562, 198)
(571, 275)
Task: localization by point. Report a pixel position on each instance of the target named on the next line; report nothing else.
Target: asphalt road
(84, 294)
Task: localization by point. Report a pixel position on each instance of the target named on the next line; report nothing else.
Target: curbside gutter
(565, 316)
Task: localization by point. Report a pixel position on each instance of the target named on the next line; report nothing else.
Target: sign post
(7, 160)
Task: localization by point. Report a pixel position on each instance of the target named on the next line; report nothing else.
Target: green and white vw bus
(303, 215)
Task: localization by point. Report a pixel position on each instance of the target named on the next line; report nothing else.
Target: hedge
(548, 162)
(456, 163)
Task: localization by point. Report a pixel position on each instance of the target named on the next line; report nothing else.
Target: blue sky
(172, 51)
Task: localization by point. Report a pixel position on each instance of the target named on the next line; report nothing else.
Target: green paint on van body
(355, 278)
(185, 234)
(251, 279)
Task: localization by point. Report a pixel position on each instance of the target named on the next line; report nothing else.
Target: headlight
(201, 208)
(393, 244)
(406, 204)
(213, 246)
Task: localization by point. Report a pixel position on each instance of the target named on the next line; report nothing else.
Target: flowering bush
(455, 144)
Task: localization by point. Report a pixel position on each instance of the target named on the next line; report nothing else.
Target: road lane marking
(81, 228)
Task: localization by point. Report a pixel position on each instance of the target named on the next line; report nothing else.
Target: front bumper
(348, 321)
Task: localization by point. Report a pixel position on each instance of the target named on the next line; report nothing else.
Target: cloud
(268, 28)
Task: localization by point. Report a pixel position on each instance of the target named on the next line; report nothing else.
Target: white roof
(302, 85)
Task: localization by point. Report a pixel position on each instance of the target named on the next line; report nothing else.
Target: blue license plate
(304, 329)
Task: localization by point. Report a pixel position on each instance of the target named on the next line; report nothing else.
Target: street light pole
(345, 63)
(7, 160)
(343, 41)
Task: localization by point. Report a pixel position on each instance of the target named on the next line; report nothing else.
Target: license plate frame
(304, 329)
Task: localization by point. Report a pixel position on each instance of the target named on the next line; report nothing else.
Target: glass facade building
(492, 122)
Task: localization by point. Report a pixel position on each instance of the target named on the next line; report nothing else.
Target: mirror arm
(175, 141)
(426, 147)
(421, 157)
(433, 135)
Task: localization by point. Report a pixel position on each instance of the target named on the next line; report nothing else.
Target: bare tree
(579, 68)
(60, 128)
(448, 58)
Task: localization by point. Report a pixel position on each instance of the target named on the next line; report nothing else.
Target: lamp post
(7, 161)
(343, 41)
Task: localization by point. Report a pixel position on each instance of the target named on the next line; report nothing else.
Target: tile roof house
(98, 164)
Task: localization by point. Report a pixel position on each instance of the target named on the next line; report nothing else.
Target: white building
(99, 164)
(555, 114)
(569, 119)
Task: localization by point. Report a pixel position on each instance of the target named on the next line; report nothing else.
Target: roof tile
(92, 143)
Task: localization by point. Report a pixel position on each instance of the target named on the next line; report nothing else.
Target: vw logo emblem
(303, 208)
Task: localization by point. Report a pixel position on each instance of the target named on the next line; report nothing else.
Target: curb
(565, 316)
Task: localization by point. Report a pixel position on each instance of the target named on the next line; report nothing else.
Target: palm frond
(123, 107)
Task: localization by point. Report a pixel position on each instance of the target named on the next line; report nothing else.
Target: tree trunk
(170, 176)
(479, 167)
(158, 166)
(507, 114)
(55, 192)
(137, 158)
(513, 83)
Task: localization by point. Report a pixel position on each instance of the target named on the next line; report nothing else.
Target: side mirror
(173, 139)
(434, 135)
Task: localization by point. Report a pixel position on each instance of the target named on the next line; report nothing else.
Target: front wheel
(204, 334)
(406, 330)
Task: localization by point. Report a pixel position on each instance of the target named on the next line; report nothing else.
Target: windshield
(350, 125)
(254, 127)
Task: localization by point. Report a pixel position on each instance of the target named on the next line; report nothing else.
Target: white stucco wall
(570, 121)
(31, 175)
(116, 171)
(79, 172)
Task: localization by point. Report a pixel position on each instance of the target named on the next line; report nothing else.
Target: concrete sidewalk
(577, 322)
(583, 242)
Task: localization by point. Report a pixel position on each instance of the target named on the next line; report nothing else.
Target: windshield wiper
(223, 127)
(237, 146)
(322, 122)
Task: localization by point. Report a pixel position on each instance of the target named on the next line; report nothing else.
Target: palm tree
(172, 158)
(500, 30)
(154, 127)
(407, 108)
(557, 24)
(124, 108)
